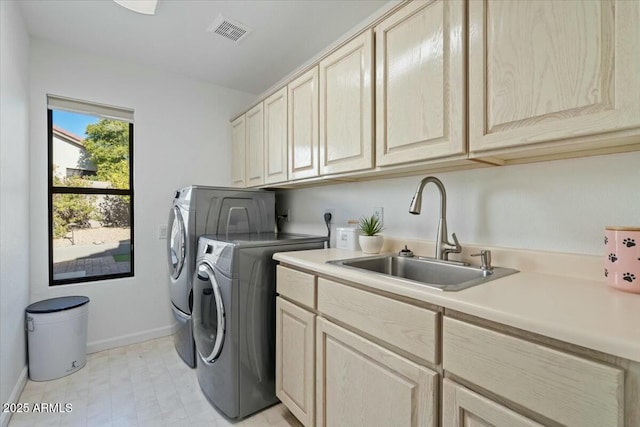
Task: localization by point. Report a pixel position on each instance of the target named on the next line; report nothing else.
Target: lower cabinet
(359, 383)
(295, 347)
(463, 408)
(564, 388)
(348, 356)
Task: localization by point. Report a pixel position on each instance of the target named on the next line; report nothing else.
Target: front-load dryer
(234, 298)
(198, 210)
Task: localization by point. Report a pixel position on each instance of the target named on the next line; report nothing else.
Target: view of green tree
(107, 144)
(115, 211)
(69, 209)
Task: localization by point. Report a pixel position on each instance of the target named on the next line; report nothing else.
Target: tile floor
(144, 384)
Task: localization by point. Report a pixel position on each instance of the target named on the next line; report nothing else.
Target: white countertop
(578, 311)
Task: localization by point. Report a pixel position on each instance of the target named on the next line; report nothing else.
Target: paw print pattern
(629, 277)
(606, 240)
(613, 257)
(606, 273)
(629, 242)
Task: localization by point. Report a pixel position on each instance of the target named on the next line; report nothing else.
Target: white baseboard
(123, 340)
(15, 395)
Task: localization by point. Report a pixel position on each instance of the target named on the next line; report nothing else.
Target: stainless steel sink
(442, 275)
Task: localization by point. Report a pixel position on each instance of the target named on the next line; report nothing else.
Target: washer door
(208, 314)
(176, 245)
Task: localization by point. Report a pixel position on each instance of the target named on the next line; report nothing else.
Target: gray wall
(558, 206)
(14, 200)
(182, 136)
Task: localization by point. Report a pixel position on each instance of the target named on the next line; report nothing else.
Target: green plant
(69, 209)
(122, 257)
(370, 226)
(115, 211)
(107, 145)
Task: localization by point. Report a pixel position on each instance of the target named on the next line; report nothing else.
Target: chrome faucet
(443, 246)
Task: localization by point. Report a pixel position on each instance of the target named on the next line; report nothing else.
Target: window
(90, 191)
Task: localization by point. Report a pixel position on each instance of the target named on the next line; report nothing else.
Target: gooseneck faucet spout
(443, 246)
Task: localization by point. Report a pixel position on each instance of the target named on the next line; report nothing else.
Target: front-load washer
(198, 210)
(234, 297)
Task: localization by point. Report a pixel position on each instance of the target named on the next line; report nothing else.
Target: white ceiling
(286, 33)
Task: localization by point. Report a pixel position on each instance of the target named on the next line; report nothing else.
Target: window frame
(86, 191)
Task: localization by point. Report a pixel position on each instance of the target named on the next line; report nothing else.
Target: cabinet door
(406, 327)
(237, 152)
(255, 146)
(346, 95)
(546, 71)
(420, 82)
(303, 125)
(359, 383)
(464, 408)
(295, 346)
(567, 389)
(275, 137)
(296, 286)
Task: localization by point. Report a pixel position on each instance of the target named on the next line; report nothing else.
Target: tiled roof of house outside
(72, 137)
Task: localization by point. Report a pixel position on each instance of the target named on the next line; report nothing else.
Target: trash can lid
(57, 304)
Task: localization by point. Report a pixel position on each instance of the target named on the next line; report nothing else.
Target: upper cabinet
(346, 107)
(303, 125)
(420, 83)
(553, 76)
(458, 84)
(238, 151)
(255, 146)
(275, 137)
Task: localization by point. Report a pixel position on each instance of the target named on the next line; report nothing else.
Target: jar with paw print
(622, 258)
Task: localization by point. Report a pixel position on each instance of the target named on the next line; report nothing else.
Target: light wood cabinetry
(254, 147)
(303, 125)
(295, 342)
(297, 286)
(464, 408)
(275, 137)
(408, 328)
(362, 384)
(562, 387)
(346, 107)
(547, 77)
(377, 360)
(295, 359)
(238, 133)
(420, 83)
(460, 84)
(357, 381)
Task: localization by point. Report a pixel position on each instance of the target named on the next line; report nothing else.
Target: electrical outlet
(332, 211)
(162, 232)
(379, 213)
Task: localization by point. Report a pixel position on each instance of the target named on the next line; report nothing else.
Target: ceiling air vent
(229, 29)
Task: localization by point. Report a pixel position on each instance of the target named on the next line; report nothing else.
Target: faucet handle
(406, 252)
(451, 248)
(485, 260)
(458, 248)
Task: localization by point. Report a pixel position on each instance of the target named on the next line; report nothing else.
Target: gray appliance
(234, 299)
(199, 210)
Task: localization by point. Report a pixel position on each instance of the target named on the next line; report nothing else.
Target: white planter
(371, 244)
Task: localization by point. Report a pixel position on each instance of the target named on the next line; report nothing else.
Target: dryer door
(177, 242)
(208, 314)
